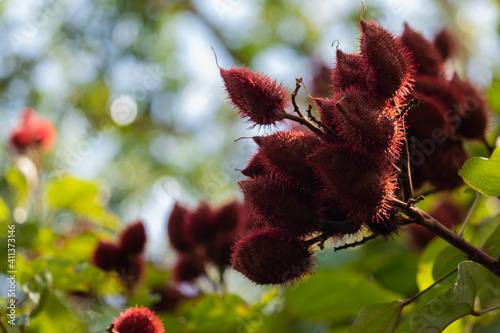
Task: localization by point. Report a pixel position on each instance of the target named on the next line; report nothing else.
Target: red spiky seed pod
(285, 155)
(270, 256)
(321, 79)
(427, 59)
(255, 166)
(443, 90)
(176, 227)
(228, 216)
(257, 97)
(348, 72)
(138, 320)
(386, 226)
(284, 206)
(133, 238)
(187, 268)
(367, 123)
(390, 68)
(328, 113)
(33, 131)
(219, 253)
(476, 110)
(335, 221)
(446, 44)
(440, 166)
(359, 183)
(428, 116)
(200, 226)
(130, 269)
(106, 256)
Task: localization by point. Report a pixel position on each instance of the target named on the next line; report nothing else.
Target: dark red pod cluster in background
(451, 110)
(204, 236)
(124, 256)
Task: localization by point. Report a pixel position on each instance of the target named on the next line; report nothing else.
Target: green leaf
(380, 317)
(217, 314)
(447, 260)
(492, 244)
(37, 291)
(4, 210)
(81, 197)
(483, 174)
(74, 194)
(426, 262)
(66, 274)
(17, 180)
(456, 302)
(335, 295)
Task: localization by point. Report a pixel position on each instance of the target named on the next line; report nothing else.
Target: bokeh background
(135, 92)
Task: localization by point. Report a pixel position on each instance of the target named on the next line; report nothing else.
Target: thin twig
(312, 117)
(488, 146)
(331, 228)
(304, 121)
(414, 297)
(318, 239)
(478, 313)
(411, 104)
(407, 181)
(393, 165)
(471, 210)
(361, 242)
(319, 123)
(294, 95)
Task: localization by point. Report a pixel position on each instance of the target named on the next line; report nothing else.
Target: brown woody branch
(428, 222)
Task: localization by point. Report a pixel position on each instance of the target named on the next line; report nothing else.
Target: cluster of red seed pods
(124, 256)
(343, 174)
(450, 111)
(335, 179)
(203, 236)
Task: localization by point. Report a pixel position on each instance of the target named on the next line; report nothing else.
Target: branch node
(412, 201)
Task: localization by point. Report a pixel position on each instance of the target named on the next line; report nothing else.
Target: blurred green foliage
(71, 60)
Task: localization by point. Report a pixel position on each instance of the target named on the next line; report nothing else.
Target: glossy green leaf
(37, 291)
(74, 194)
(380, 317)
(335, 295)
(66, 274)
(456, 302)
(483, 174)
(215, 313)
(426, 262)
(492, 244)
(81, 197)
(447, 260)
(17, 181)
